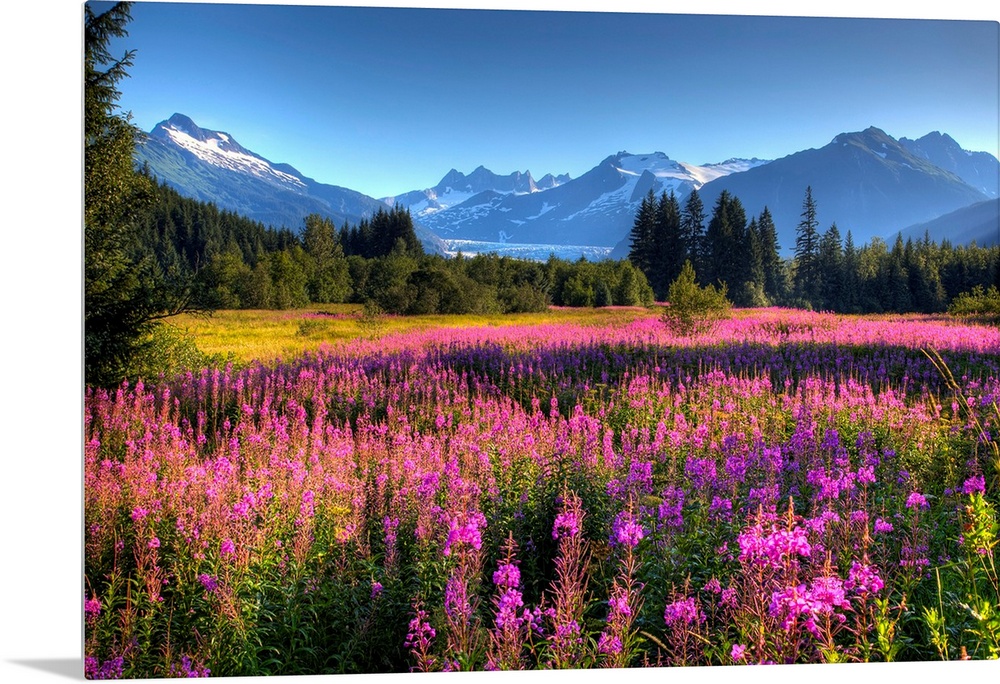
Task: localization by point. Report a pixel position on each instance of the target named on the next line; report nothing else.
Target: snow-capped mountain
(866, 182)
(456, 188)
(596, 209)
(213, 167)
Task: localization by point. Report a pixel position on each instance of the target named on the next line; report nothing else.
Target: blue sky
(385, 100)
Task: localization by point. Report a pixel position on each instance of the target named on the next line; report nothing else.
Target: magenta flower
(917, 500)
(973, 485)
(376, 589)
(683, 612)
(609, 644)
(863, 579)
(567, 524)
(882, 527)
(738, 652)
(227, 547)
(625, 530)
(209, 582)
(507, 576)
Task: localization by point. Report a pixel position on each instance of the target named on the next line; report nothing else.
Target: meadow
(562, 490)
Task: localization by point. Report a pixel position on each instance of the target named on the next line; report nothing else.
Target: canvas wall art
(444, 340)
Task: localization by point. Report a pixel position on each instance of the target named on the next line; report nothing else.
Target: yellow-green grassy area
(266, 335)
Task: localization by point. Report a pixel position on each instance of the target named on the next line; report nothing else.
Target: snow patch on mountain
(218, 150)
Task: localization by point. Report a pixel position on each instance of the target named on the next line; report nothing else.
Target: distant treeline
(828, 272)
(230, 262)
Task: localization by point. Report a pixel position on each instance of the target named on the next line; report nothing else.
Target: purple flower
(917, 500)
(609, 644)
(882, 527)
(376, 589)
(109, 669)
(567, 524)
(154, 543)
(188, 670)
(773, 549)
(507, 576)
(465, 531)
(683, 612)
(975, 484)
(209, 582)
(863, 579)
(420, 634)
(507, 608)
(738, 652)
(92, 607)
(625, 530)
(227, 547)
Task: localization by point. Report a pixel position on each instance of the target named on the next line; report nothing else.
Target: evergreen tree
(807, 269)
(693, 229)
(328, 276)
(850, 297)
(831, 273)
(668, 245)
(771, 264)
(641, 237)
(726, 246)
(125, 294)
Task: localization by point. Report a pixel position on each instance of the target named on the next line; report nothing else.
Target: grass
(264, 335)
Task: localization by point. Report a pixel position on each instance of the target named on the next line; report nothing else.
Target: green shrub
(692, 309)
(977, 302)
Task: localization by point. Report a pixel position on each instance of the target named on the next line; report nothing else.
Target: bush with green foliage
(692, 309)
(977, 302)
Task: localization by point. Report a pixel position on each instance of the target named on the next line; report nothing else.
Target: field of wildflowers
(790, 487)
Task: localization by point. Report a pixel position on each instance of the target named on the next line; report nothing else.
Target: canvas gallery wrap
(469, 340)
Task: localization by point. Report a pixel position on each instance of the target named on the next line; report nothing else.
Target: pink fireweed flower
(567, 524)
(507, 576)
(863, 579)
(376, 589)
(465, 531)
(154, 543)
(823, 596)
(92, 608)
(683, 612)
(882, 527)
(738, 652)
(609, 644)
(775, 548)
(227, 548)
(917, 500)
(625, 530)
(508, 605)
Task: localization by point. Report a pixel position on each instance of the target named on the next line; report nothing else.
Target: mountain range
(866, 182)
(212, 166)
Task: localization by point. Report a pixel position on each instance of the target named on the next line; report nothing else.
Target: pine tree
(807, 273)
(693, 230)
(668, 247)
(771, 264)
(850, 296)
(641, 252)
(125, 294)
(830, 269)
(726, 246)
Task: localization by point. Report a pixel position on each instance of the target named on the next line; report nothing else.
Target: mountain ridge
(865, 181)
